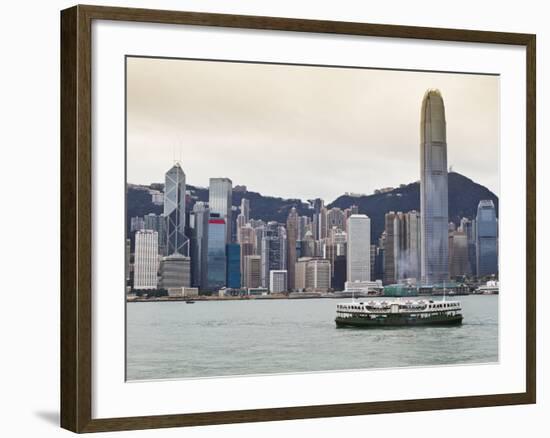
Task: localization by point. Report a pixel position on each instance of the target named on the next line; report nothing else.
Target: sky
(299, 131)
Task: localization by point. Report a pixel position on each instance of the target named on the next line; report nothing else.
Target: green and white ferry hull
(398, 313)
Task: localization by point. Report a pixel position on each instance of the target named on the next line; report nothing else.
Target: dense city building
(459, 264)
(211, 248)
(243, 217)
(247, 245)
(335, 248)
(411, 268)
(137, 223)
(146, 260)
(174, 211)
(309, 247)
(487, 239)
(318, 275)
(300, 273)
(468, 226)
(233, 269)
(128, 266)
(245, 209)
(405, 251)
(292, 237)
(220, 194)
(358, 248)
(252, 271)
(215, 259)
(157, 222)
(339, 273)
(378, 273)
(278, 281)
(335, 218)
(434, 210)
(175, 271)
(317, 204)
(304, 225)
(389, 248)
(199, 240)
(273, 253)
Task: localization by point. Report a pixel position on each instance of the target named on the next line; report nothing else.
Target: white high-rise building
(318, 275)
(358, 248)
(278, 281)
(220, 194)
(146, 260)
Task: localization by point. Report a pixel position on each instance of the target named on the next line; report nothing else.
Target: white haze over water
(302, 132)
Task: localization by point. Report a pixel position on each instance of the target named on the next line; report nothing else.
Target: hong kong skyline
(323, 132)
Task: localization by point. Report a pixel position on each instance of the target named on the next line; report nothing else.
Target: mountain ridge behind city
(464, 196)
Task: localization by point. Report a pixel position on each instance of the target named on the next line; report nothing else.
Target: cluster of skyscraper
(327, 249)
(197, 248)
(424, 246)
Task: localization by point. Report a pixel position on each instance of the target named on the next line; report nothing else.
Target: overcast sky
(302, 132)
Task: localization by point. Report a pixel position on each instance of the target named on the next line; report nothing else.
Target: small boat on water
(490, 288)
(189, 302)
(398, 312)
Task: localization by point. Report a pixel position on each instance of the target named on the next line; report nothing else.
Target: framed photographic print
(270, 218)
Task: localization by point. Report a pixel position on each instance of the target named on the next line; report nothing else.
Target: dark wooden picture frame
(76, 218)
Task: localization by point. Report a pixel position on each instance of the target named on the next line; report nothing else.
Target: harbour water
(221, 338)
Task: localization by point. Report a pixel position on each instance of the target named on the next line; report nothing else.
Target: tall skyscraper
(247, 245)
(233, 269)
(458, 254)
(322, 222)
(389, 248)
(245, 209)
(338, 273)
(146, 260)
(487, 239)
(201, 214)
(468, 227)
(334, 248)
(303, 226)
(292, 237)
(220, 194)
(335, 218)
(157, 223)
(406, 245)
(174, 211)
(127, 260)
(300, 273)
(274, 242)
(215, 263)
(252, 271)
(310, 247)
(358, 248)
(434, 210)
(413, 243)
(317, 205)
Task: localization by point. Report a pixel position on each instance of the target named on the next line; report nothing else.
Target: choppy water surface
(220, 338)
